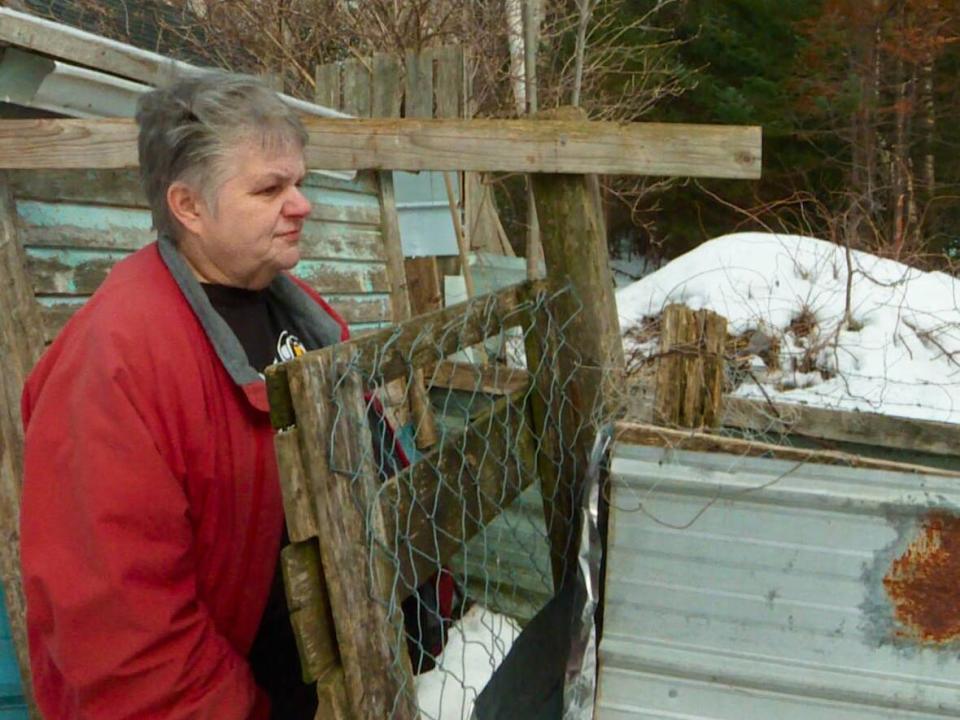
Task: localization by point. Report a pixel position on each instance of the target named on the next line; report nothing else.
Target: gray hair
(188, 128)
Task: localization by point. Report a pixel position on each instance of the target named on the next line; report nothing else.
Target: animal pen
(743, 578)
(518, 407)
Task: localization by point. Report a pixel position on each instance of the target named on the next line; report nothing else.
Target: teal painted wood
(75, 228)
(12, 704)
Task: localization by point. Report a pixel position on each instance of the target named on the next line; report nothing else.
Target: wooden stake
(689, 391)
(21, 342)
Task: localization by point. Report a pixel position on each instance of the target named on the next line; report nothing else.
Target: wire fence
(459, 442)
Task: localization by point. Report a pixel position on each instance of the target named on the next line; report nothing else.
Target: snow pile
(475, 648)
(784, 296)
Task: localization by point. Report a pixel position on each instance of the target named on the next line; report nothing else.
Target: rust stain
(924, 582)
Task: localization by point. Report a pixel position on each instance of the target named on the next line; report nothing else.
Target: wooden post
(589, 363)
(689, 381)
(21, 342)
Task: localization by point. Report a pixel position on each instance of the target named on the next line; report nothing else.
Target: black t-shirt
(267, 335)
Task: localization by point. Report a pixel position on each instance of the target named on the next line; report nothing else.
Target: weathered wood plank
(341, 277)
(361, 308)
(355, 309)
(448, 81)
(325, 240)
(653, 435)
(66, 224)
(301, 517)
(83, 48)
(356, 88)
(104, 187)
(429, 144)
(328, 86)
(388, 354)
(842, 426)
(309, 607)
(393, 250)
(418, 91)
(338, 461)
(363, 184)
(435, 506)
(423, 284)
(21, 342)
(332, 697)
(387, 87)
(81, 273)
(491, 379)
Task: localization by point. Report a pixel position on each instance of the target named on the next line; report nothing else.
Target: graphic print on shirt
(288, 347)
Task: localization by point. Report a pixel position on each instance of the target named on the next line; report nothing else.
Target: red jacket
(151, 514)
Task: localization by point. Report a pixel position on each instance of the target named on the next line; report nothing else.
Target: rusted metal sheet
(923, 583)
(755, 588)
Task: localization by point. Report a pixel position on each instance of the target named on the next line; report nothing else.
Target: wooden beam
(21, 342)
(865, 428)
(434, 507)
(825, 424)
(390, 353)
(652, 435)
(530, 146)
(490, 379)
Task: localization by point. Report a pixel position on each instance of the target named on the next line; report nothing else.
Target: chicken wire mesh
(466, 469)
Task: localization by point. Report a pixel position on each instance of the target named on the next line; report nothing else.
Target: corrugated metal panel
(423, 212)
(75, 225)
(753, 588)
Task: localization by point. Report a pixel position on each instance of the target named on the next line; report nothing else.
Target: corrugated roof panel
(754, 588)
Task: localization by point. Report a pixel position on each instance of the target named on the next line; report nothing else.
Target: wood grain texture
(689, 376)
(448, 81)
(653, 435)
(423, 284)
(418, 88)
(356, 86)
(387, 86)
(842, 426)
(21, 342)
(589, 361)
(531, 146)
(342, 481)
(490, 379)
(82, 48)
(390, 353)
(328, 86)
(298, 508)
(309, 607)
(435, 506)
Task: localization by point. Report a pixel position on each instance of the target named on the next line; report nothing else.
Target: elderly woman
(151, 516)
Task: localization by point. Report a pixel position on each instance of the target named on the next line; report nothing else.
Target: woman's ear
(186, 205)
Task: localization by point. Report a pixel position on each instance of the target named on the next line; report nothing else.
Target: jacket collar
(315, 327)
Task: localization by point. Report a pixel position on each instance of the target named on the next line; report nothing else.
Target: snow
(900, 355)
(475, 648)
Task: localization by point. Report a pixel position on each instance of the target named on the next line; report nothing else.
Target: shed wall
(74, 225)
